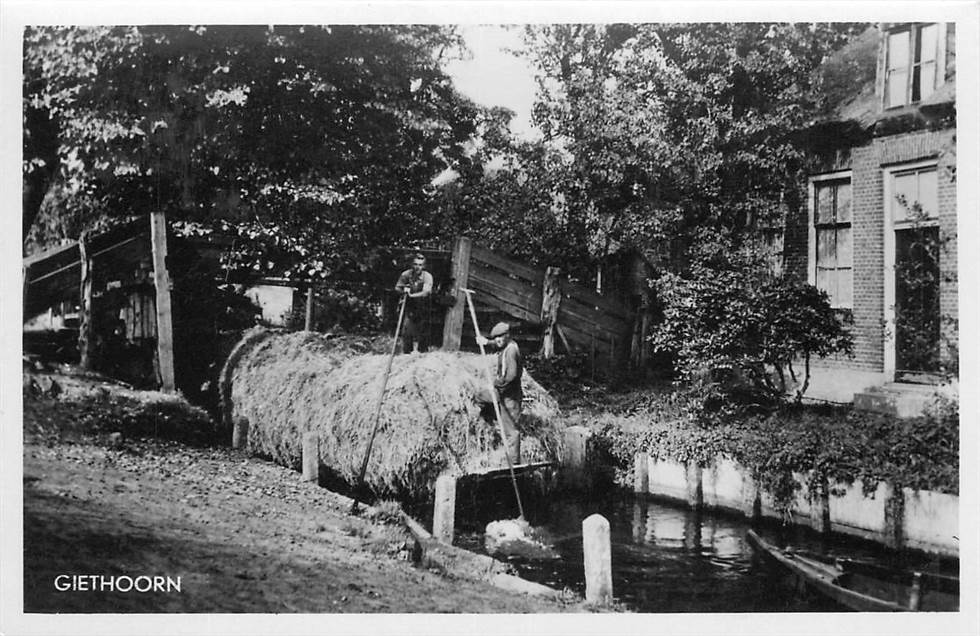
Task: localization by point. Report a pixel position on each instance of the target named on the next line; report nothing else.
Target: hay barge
(435, 417)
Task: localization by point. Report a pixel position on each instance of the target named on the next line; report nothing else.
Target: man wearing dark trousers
(416, 284)
(507, 383)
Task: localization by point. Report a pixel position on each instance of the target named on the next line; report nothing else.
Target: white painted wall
(932, 521)
(276, 302)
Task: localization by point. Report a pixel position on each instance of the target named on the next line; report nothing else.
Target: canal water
(666, 557)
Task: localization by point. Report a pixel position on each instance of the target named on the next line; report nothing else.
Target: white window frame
(811, 239)
(938, 79)
(888, 174)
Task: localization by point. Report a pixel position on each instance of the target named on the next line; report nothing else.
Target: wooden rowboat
(861, 585)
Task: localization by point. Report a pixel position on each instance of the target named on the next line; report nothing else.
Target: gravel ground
(243, 534)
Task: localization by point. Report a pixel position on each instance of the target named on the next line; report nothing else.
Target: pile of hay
(433, 417)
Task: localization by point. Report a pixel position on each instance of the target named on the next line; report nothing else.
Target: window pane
(927, 80)
(929, 37)
(825, 204)
(898, 50)
(827, 281)
(916, 84)
(845, 288)
(896, 87)
(928, 195)
(826, 248)
(904, 187)
(844, 202)
(844, 251)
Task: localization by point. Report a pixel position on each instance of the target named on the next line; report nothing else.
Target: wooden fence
(553, 313)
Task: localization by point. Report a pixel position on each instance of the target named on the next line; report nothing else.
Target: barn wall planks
(595, 324)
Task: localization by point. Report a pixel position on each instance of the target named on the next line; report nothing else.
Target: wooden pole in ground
(239, 433)
(308, 322)
(598, 560)
(550, 302)
(161, 283)
(311, 456)
(641, 473)
(85, 339)
(452, 331)
(444, 515)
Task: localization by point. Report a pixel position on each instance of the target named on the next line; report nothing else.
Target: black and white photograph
(490, 317)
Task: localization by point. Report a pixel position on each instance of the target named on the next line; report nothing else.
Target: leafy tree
(310, 142)
(510, 195)
(672, 127)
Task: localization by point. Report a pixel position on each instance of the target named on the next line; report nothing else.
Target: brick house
(878, 229)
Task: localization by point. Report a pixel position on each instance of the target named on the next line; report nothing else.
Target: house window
(912, 64)
(832, 234)
(915, 196)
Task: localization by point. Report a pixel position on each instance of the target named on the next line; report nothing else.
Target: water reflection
(665, 558)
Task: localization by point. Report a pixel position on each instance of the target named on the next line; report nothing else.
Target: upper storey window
(912, 64)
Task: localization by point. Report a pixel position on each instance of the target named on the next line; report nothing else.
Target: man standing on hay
(416, 284)
(507, 384)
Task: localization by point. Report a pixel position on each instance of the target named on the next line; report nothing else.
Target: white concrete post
(444, 515)
(311, 456)
(641, 473)
(598, 560)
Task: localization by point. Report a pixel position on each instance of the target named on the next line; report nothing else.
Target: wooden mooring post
(444, 515)
(311, 456)
(598, 560)
(239, 433)
(641, 473)
(308, 318)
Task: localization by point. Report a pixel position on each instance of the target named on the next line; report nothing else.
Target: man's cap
(499, 329)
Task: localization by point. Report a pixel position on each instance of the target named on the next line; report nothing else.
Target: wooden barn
(109, 295)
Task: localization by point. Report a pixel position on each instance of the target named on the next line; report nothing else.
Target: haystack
(434, 415)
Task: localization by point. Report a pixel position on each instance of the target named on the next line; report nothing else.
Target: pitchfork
(377, 410)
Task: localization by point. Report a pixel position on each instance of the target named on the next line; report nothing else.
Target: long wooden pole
(377, 410)
(496, 404)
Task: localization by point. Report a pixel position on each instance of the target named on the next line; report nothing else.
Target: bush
(145, 414)
(735, 332)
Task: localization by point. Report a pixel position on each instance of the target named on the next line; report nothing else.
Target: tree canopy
(312, 142)
(662, 131)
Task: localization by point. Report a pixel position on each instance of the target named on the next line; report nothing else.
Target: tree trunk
(41, 142)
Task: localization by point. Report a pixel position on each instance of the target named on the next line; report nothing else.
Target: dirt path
(243, 535)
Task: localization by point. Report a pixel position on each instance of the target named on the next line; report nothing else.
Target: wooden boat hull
(862, 586)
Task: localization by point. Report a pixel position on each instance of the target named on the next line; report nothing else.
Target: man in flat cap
(507, 382)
